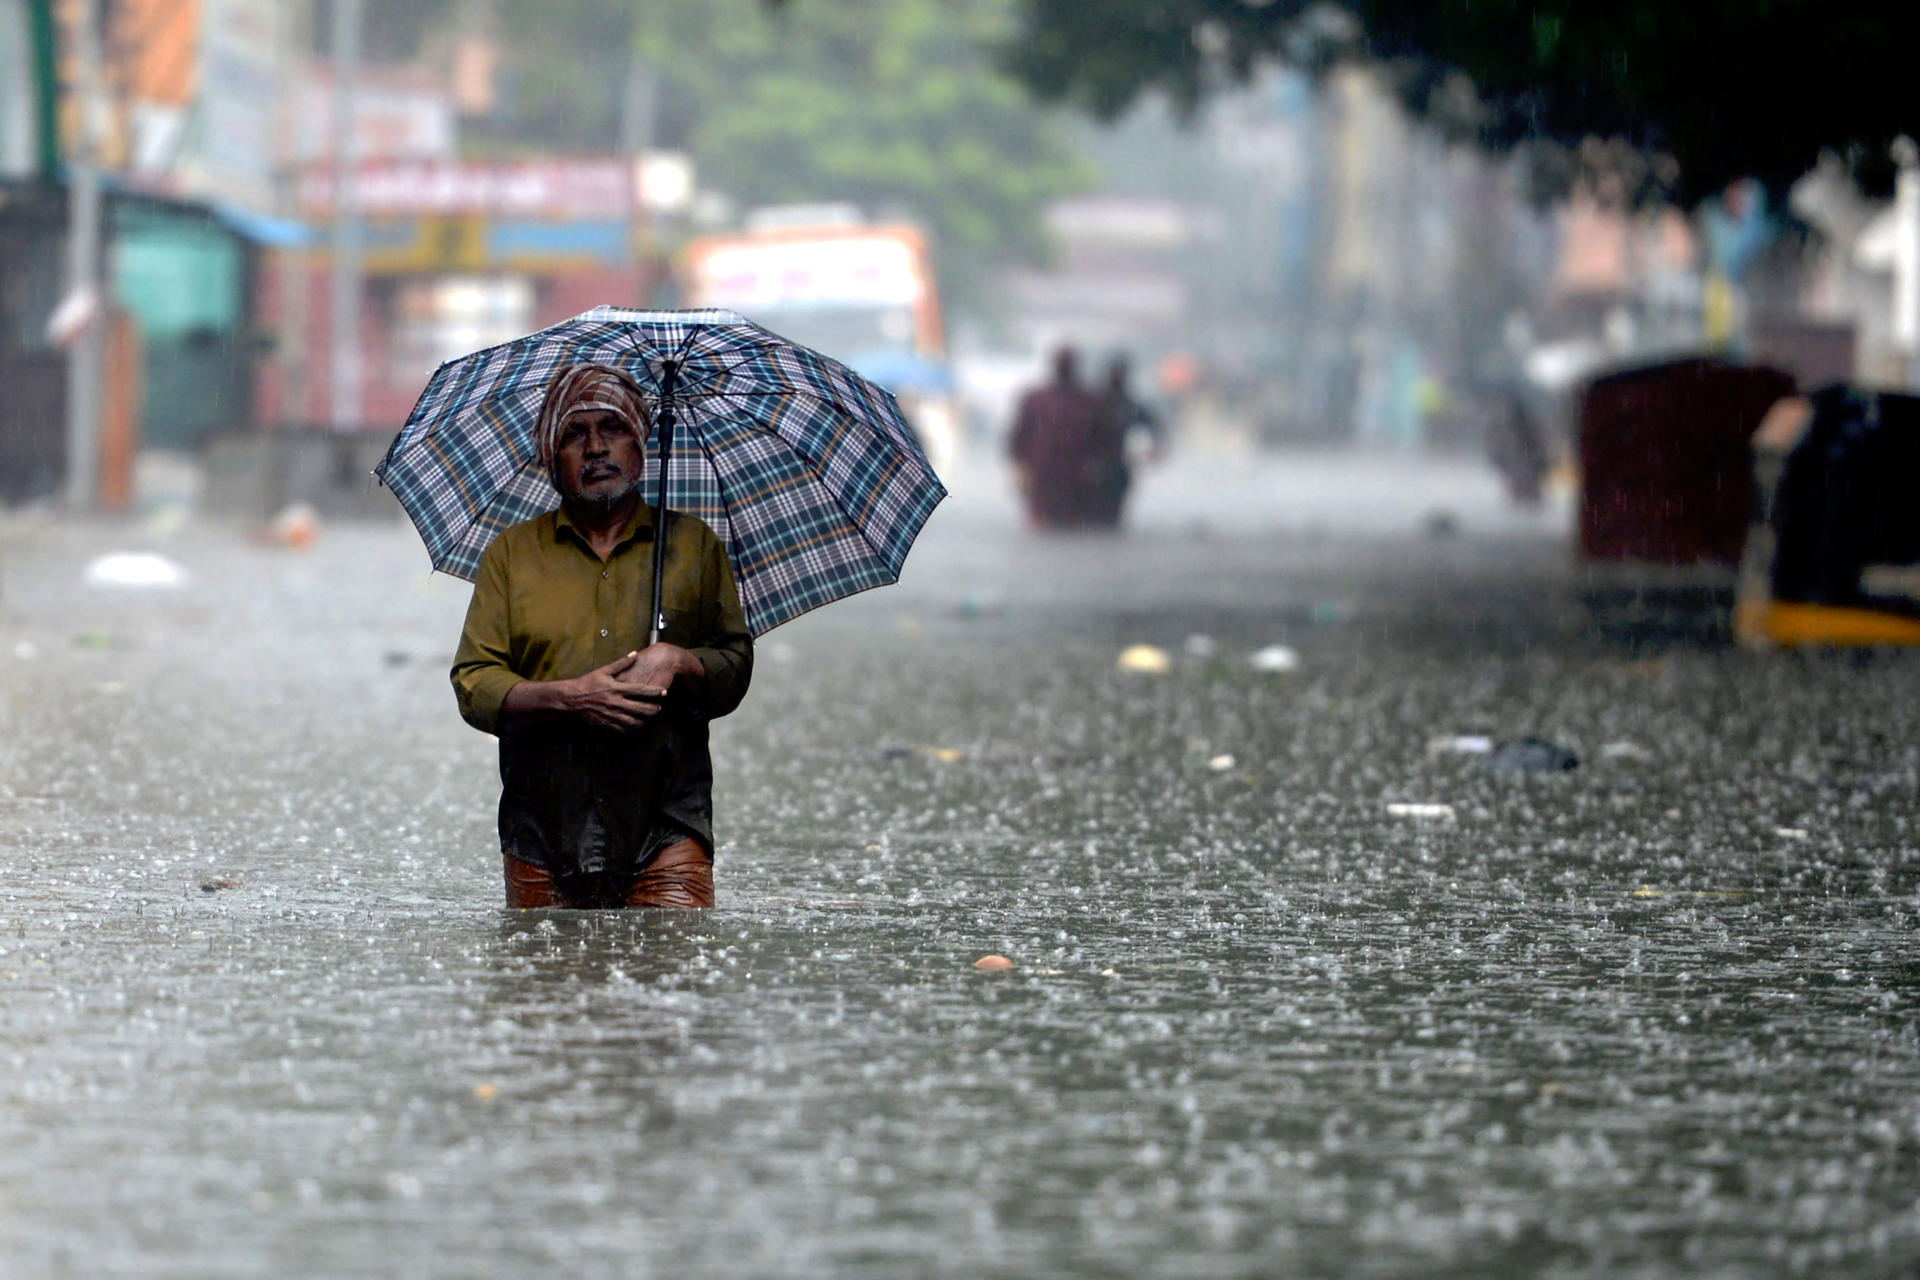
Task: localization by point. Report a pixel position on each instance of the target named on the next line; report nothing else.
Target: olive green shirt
(546, 608)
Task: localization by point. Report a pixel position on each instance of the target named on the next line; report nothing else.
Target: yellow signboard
(425, 245)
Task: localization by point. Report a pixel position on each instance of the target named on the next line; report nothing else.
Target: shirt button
(603, 573)
(603, 632)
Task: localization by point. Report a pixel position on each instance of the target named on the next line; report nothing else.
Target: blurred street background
(1459, 820)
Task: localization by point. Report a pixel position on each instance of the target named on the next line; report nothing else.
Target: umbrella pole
(668, 375)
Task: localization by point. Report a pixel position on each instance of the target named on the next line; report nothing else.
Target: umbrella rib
(707, 375)
(879, 558)
(719, 487)
(744, 350)
(805, 393)
(815, 469)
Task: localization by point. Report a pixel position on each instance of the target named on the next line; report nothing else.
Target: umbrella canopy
(806, 471)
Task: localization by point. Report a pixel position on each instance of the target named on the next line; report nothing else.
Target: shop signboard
(234, 149)
(595, 189)
(394, 118)
(409, 246)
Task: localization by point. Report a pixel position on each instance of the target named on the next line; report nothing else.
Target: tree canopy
(897, 105)
(1726, 88)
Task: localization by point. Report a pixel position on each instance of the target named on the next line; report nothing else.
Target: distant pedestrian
(1519, 452)
(1127, 419)
(1060, 447)
(606, 778)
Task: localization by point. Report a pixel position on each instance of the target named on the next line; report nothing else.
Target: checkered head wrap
(585, 388)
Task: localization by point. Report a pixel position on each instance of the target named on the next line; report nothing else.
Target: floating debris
(215, 886)
(1220, 763)
(1625, 751)
(135, 569)
(486, 1092)
(1648, 891)
(1531, 755)
(1145, 659)
(295, 527)
(993, 964)
(1792, 833)
(945, 755)
(1460, 744)
(1275, 659)
(1427, 812)
(1201, 646)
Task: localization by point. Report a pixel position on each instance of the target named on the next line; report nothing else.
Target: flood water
(261, 1013)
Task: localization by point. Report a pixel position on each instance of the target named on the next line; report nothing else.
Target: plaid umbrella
(805, 470)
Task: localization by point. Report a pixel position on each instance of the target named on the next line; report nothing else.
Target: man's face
(598, 458)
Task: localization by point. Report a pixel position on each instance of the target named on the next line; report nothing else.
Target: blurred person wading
(606, 778)
(1069, 445)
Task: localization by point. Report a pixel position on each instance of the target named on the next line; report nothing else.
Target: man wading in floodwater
(606, 781)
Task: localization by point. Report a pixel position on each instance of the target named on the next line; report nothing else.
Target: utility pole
(344, 402)
(637, 109)
(85, 357)
(638, 103)
(295, 347)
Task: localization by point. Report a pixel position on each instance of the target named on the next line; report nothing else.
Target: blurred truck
(862, 293)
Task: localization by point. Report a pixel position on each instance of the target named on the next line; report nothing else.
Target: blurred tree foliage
(897, 105)
(1725, 88)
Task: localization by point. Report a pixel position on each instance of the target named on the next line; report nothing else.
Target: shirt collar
(639, 526)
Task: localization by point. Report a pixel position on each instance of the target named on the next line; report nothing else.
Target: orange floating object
(1778, 622)
(993, 964)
